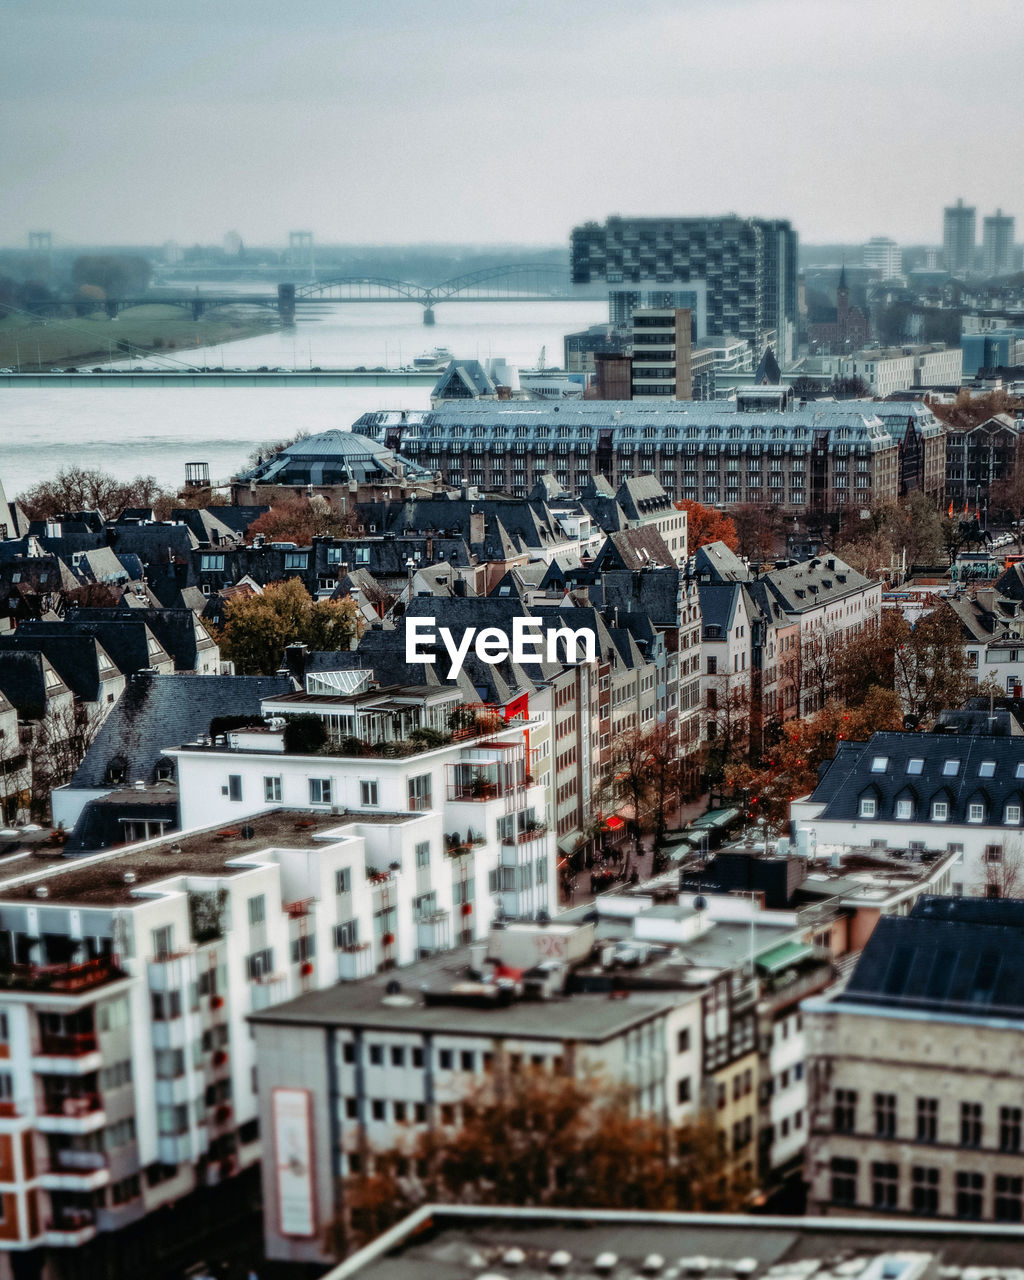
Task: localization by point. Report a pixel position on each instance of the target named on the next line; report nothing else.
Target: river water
(130, 431)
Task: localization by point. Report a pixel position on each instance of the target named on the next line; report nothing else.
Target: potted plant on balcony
(481, 787)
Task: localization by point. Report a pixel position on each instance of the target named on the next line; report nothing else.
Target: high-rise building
(997, 244)
(958, 230)
(661, 354)
(741, 271)
(885, 256)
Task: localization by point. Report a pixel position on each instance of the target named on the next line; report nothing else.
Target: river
(154, 431)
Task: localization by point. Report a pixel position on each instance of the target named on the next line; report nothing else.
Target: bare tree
(1002, 870)
(58, 746)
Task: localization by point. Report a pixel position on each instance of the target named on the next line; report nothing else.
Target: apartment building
(954, 790)
(661, 354)
(915, 1070)
(959, 231)
(129, 1077)
(757, 448)
(978, 459)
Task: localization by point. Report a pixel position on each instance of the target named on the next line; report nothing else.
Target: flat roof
(99, 880)
(368, 1004)
(452, 1242)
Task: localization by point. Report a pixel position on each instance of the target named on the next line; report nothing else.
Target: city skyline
(464, 125)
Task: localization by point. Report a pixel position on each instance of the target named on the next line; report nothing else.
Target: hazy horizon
(455, 124)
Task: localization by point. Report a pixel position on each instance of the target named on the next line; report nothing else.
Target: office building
(661, 354)
(884, 256)
(958, 237)
(915, 1073)
(736, 275)
(997, 244)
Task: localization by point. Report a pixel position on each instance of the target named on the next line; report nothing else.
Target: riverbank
(52, 341)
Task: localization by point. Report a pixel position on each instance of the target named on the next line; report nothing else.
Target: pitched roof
(157, 712)
(950, 955)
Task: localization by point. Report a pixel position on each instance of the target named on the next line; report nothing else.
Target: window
(916, 765)
(234, 786)
(445, 1059)
(423, 854)
(940, 811)
(368, 794)
(303, 948)
(683, 1040)
(272, 790)
(683, 1091)
(1009, 1128)
(257, 909)
(950, 768)
(343, 880)
(467, 1060)
(970, 1124)
(211, 563)
(295, 559)
(844, 1180)
(993, 853)
(397, 1055)
(260, 963)
(419, 792)
(163, 941)
(712, 666)
(975, 813)
(925, 1190)
(844, 1111)
(885, 1115)
(319, 791)
(417, 1057)
(885, 1185)
(867, 807)
(1012, 815)
(987, 769)
(904, 809)
(166, 1005)
(927, 1119)
(1009, 1197)
(879, 764)
(376, 1055)
(346, 935)
(970, 1188)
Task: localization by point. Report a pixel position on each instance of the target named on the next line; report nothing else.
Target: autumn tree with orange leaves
(531, 1138)
(706, 524)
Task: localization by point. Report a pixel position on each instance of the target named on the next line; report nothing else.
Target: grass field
(62, 341)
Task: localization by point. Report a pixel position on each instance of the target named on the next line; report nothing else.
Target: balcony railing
(521, 837)
(70, 978)
(69, 1161)
(81, 1104)
(67, 1046)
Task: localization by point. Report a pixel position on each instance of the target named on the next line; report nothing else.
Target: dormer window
(940, 811)
(1011, 815)
(867, 806)
(904, 809)
(976, 812)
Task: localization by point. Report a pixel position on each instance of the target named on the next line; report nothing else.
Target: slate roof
(950, 955)
(879, 768)
(723, 564)
(642, 548)
(78, 660)
(157, 712)
(125, 637)
(814, 583)
(463, 379)
(176, 630)
(23, 682)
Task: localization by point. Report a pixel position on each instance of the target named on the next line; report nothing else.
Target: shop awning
(614, 823)
(784, 955)
(714, 818)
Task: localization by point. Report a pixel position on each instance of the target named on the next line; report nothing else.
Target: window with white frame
(975, 813)
(904, 809)
(368, 794)
(272, 790)
(319, 791)
(950, 768)
(1012, 815)
(867, 806)
(940, 811)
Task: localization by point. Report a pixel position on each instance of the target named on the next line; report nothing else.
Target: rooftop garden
(309, 735)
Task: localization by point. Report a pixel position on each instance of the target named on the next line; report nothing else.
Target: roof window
(950, 768)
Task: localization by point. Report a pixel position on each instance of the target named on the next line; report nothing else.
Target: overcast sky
(460, 120)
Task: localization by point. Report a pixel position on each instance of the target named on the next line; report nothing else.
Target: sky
(461, 121)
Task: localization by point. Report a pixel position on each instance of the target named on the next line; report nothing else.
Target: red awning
(613, 823)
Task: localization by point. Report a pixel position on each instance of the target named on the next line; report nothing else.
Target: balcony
(61, 979)
(72, 1170)
(71, 1228)
(355, 961)
(79, 1113)
(73, 1054)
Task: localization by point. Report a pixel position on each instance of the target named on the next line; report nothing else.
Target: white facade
(885, 256)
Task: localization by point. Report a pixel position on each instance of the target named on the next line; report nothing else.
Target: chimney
(476, 528)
